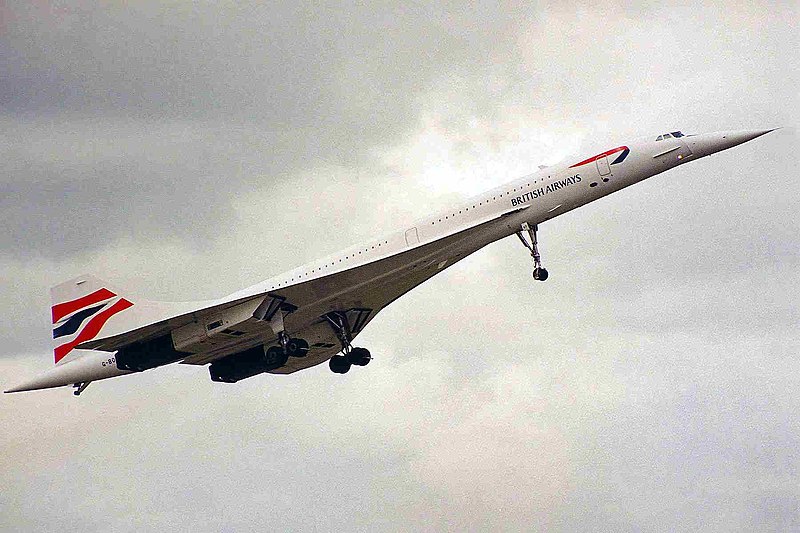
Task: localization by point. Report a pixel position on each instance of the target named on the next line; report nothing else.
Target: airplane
(312, 314)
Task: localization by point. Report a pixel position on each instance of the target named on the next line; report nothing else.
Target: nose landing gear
(539, 272)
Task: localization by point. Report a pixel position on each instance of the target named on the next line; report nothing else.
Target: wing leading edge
(209, 332)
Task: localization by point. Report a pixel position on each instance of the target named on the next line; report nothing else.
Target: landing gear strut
(539, 272)
(341, 363)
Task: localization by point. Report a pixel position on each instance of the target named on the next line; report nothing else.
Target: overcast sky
(185, 150)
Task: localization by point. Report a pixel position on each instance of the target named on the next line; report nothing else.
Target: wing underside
(361, 291)
(216, 331)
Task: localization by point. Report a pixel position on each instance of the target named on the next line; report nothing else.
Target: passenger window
(660, 137)
(677, 134)
(667, 136)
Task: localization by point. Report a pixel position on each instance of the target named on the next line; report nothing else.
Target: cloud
(186, 150)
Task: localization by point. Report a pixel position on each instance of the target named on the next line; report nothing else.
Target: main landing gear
(277, 356)
(340, 364)
(289, 346)
(539, 272)
(293, 347)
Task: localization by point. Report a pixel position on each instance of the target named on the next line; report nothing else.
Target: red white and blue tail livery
(80, 319)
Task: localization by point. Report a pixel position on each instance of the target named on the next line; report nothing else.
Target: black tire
(275, 358)
(540, 274)
(359, 356)
(339, 364)
(297, 348)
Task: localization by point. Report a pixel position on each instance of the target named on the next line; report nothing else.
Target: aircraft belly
(312, 298)
(322, 341)
(371, 286)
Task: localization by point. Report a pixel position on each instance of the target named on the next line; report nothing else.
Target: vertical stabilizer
(81, 308)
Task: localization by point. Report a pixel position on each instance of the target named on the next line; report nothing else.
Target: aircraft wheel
(359, 356)
(339, 364)
(297, 348)
(540, 274)
(275, 358)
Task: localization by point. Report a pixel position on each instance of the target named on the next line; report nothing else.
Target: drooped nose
(709, 143)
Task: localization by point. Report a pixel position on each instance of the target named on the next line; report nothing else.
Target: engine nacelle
(149, 354)
(246, 364)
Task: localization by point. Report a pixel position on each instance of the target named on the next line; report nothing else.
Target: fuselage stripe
(604, 154)
(621, 157)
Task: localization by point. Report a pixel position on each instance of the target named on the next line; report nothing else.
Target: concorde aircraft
(312, 314)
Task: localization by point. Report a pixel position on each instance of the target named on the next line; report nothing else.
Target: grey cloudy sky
(184, 150)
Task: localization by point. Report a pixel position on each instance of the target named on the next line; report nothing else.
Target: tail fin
(80, 309)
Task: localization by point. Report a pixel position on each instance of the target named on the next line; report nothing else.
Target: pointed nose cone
(709, 143)
(733, 138)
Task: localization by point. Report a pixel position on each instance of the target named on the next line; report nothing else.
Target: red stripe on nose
(598, 156)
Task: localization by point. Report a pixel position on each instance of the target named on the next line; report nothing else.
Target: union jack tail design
(82, 308)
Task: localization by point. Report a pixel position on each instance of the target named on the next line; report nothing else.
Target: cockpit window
(670, 135)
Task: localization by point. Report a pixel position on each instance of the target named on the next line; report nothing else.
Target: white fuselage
(534, 198)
